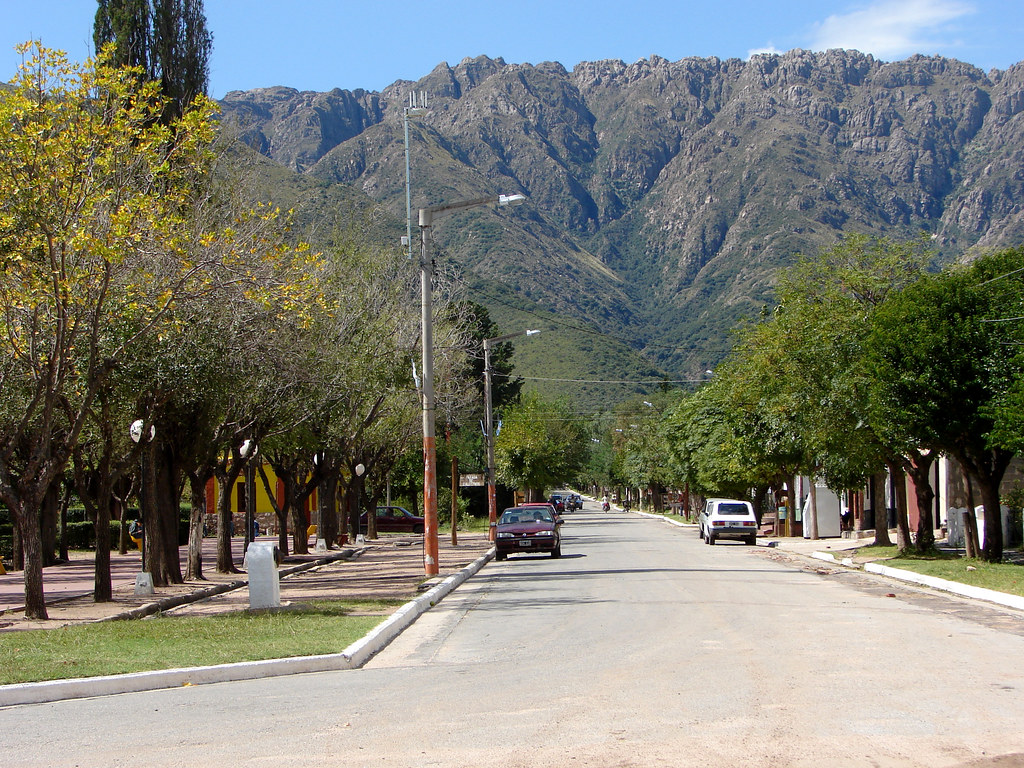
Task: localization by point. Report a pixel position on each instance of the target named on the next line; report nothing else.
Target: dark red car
(394, 520)
(529, 528)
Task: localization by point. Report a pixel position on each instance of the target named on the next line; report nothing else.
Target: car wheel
(417, 529)
(711, 540)
(752, 540)
(500, 555)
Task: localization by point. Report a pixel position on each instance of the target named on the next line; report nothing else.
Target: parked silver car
(727, 519)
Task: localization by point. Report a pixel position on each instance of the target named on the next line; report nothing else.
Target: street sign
(472, 480)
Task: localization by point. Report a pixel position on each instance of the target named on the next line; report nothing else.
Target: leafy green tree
(944, 368)
(541, 445)
(827, 304)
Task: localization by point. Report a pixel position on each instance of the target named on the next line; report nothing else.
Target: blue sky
(321, 44)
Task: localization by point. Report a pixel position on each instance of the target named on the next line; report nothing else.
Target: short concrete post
(264, 582)
(144, 583)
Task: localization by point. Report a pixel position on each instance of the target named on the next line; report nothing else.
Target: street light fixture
(426, 220)
(492, 504)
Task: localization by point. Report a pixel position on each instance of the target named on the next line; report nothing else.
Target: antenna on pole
(417, 108)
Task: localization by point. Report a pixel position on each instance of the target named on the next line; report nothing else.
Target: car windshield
(513, 516)
(733, 509)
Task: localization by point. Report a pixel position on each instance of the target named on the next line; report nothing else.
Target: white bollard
(264, 581)
(144, 583)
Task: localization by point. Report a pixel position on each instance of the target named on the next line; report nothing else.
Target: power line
(1000, 277)
(604, 381)
(552, 318)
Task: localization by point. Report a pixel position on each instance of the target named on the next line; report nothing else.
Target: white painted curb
(352, 657)
(964, 590)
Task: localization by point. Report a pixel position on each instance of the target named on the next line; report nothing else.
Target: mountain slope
(664, 196)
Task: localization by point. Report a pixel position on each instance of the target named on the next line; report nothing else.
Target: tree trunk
(225, 558)
(987, 466)
(878, 510)
(300, 528)
(194, 564)
(122, 538)
(992, 549)
(899, 485)
(280, 511)
(31, 547)
(327, 499)
(163, 560)
(760, 492)
(971, 548)
(919, 468)
(102, 589)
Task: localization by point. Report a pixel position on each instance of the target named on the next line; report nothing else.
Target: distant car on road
(557, 500)
(394, 520)
(529, 528)
(727, 519)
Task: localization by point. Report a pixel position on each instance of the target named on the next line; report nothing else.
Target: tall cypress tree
(168, 39)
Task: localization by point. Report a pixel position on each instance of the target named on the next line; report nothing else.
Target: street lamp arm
(488, 343)
(428, 214)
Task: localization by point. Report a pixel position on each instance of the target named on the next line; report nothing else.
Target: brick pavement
(386, 568)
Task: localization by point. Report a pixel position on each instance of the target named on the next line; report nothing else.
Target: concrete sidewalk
(382, 569)
(388, 569)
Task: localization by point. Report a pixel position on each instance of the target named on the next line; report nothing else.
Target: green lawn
(1002, 577)
(167, 642)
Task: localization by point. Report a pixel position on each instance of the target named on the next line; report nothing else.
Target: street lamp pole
(492, 503)
(426, 220)
(248, 452)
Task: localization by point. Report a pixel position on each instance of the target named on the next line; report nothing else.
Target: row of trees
(872, 361)
(141, 282)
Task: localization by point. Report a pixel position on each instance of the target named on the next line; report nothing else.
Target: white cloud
(893, 28)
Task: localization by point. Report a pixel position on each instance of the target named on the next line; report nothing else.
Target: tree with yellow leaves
(106, 255)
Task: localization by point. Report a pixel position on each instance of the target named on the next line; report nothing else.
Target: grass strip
(1001, 577)
(169, 642)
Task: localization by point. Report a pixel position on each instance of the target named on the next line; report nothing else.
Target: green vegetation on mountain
(663, 196)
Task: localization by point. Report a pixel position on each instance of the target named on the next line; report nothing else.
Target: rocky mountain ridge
(663, 196)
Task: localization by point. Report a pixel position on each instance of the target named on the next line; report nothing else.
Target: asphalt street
(641, 646)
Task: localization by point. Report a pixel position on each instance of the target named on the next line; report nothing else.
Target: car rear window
(527, 515)
(733, 509)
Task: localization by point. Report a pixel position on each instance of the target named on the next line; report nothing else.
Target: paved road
(641, 646)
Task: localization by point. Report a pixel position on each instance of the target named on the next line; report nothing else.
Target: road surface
(640, 646)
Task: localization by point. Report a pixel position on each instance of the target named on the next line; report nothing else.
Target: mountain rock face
(664, 196)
